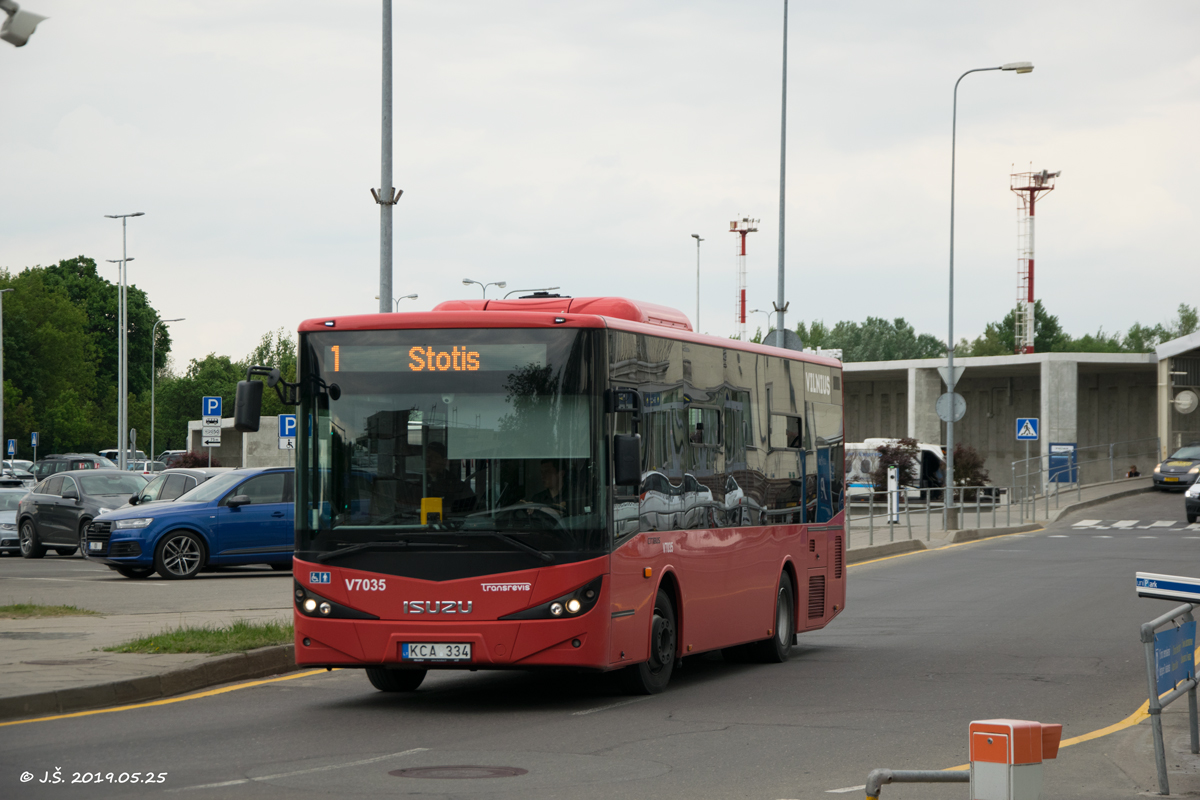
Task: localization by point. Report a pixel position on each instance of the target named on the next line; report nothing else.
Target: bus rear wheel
(776, 649)
(651, 677)
(395, 680)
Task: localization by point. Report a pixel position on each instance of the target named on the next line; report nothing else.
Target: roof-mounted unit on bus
(614, 307)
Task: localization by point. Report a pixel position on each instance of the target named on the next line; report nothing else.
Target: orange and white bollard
(1007, 755)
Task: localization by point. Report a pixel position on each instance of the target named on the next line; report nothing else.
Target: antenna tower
(1027, 186)
(742, 227)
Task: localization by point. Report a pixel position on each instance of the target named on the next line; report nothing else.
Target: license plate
(95, 547)
(1171, 480)
(435, 651)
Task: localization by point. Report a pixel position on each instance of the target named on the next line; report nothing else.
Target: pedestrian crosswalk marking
(1125, 523)
(1084, 522)
(1133, 524)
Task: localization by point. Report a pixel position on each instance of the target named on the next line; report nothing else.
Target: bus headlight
(310, 605)
(571, 604)
(324, 608)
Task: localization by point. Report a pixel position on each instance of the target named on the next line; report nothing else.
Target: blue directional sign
(210, 407)
(287, 426)
(1027, 429)
(12, 447)
(1175, 656)
(34, 436)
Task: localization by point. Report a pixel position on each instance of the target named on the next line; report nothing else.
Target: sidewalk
(58, 665)
(918, 530)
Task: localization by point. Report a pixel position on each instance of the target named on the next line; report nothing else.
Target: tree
(905, 454)
(876, 339)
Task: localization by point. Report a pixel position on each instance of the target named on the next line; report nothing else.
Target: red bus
(557, 482)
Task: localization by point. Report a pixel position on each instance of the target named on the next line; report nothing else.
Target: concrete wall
(258, 449)
(876, 408)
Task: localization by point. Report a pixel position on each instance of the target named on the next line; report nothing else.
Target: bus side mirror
(627, 459)
(247, 406)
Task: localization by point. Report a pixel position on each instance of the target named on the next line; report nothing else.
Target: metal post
(928, 500)
(977, 508)
(871, 515)
(386, 192)
(2, 439)
(1112, 473)
(780, 306)
(907, 516)
(695, 236)
(122, 389)
(1155, 709)
(1193, 729)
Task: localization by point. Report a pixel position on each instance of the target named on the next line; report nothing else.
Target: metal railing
(1157, 702)
(1036, 478)
(977, 502)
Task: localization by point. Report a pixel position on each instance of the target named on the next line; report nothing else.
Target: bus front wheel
(651, 677)
(395, 680)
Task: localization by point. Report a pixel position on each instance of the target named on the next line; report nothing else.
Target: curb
(1098, 500)
(221, 669)
(880, 550)
(975, 534)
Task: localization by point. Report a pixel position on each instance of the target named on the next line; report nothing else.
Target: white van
(862, 458)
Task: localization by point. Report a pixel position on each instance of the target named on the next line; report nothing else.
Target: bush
(904, 454)
(968, 466)
(194, 459)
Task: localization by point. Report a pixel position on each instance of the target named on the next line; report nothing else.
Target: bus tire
(395, 680)
(652, 676)
(778, 647)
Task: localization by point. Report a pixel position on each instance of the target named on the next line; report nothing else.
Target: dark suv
(69, 461)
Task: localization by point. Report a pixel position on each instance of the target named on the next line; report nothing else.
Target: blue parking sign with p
(210, 407)
(287, 426)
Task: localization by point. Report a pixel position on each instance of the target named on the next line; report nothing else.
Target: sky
(581, 145)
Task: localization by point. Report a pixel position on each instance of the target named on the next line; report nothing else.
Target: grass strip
(236, 637)
(28, 610)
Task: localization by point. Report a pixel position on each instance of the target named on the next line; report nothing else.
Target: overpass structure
(1089, 399)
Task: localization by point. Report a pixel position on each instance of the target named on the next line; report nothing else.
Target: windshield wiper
(517, 544)
(361, 546)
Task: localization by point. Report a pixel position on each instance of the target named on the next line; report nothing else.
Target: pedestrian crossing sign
(1027, 429)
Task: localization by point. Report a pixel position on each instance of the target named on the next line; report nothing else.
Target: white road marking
(1192, 537)
(1147, 537)
(1051, 536)
(606, 708)
(1163, 523)
(845, 789)
(1195, 526)
(1084, 522)
(1125, 523)
(1102, 536)
(303, 771)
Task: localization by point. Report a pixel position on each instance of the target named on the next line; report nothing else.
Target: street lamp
(1019, 67)
(768, 316)
(122, 347)
(398, 299)
(18, 25)
(468, 282)
(2, 439)
(696, 236)
(543, 289)
(153, 345)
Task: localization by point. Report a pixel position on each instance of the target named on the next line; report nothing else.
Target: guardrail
(895, 509)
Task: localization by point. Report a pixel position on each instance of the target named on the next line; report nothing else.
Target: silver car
(9, 541)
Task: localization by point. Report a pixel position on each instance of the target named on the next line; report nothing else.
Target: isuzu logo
(437, 607)
(506, 587)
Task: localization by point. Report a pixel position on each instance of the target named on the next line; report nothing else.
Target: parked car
(172, 457)
(113, 453)
(243, 516)
(170, 484)
(9, 499)
(56, 512)
(1180, 469)
(69, 461)
(1191, 502)
(18, 463)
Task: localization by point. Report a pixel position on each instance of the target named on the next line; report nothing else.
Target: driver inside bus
(554, 492)
(442, 482)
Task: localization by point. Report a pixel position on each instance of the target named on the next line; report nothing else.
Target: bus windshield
(449, 440)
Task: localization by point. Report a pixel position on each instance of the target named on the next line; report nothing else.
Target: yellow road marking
(168, 700)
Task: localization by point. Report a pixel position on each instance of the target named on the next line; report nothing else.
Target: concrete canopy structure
(1090, 399)
(1178, 372)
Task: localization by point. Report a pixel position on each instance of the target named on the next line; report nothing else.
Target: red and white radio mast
(1027, 186)
(742, 227)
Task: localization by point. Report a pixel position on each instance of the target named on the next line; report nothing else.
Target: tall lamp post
(153, 345)
(696, 236)
(768, 316)
(2, 439)
(398, 299)
(1019, 67)
(122, 349)
(500, 284)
